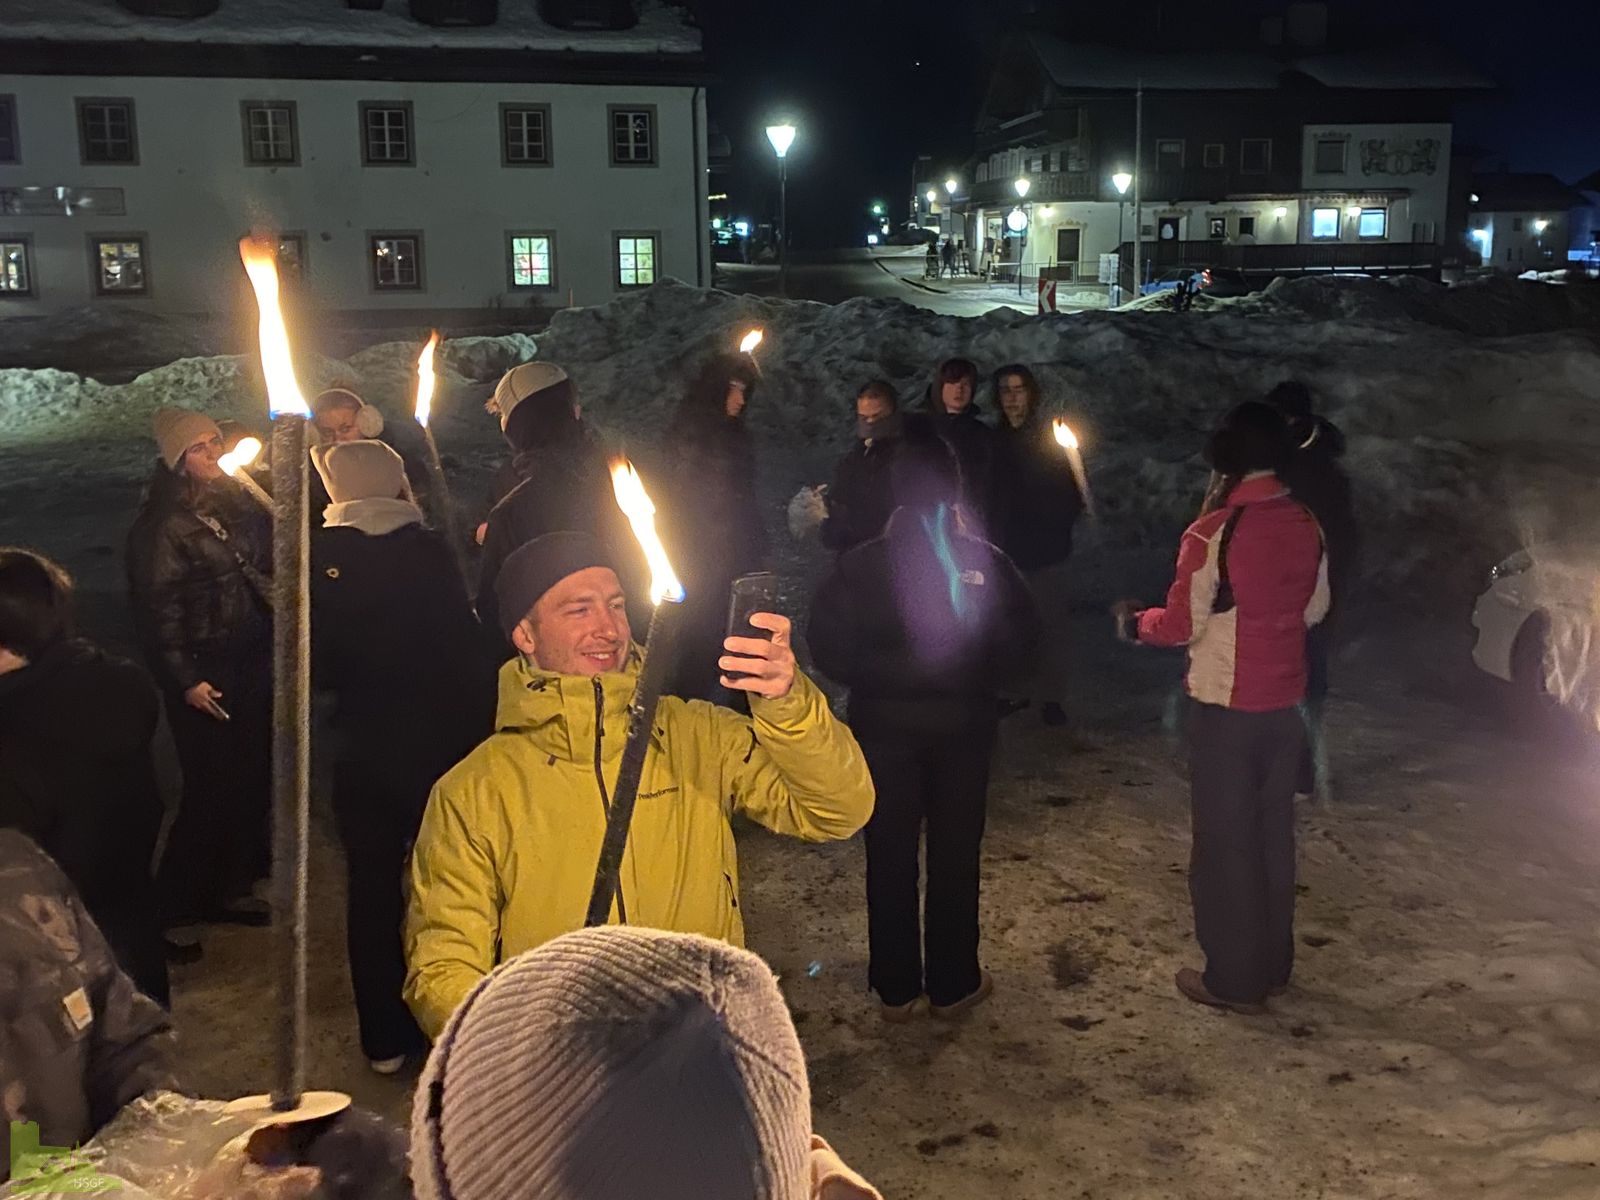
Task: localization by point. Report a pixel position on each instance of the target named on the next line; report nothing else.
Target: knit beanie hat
(176, 429)
(613, 1064)
(535, 567)
(540, 396)
(360, 471)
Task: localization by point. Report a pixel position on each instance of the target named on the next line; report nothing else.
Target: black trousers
(941, 781)
(378, 821)
(1242, 772)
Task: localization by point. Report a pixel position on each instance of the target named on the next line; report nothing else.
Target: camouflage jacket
(77, 1040)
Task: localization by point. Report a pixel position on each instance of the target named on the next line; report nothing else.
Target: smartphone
(750, 594)
(218, 711)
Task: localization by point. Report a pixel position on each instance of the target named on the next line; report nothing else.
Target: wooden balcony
(1050, 187)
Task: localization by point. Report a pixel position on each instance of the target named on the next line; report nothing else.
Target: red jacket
(1248, 655)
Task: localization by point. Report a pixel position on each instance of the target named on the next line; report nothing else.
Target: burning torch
(666, 594)
(236, 463)
(1068, 441)
(426, 382)
(748, 344)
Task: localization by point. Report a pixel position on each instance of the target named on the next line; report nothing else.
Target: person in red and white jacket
(1252, 577)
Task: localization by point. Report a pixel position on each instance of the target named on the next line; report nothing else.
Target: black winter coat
(921, 648)
(712, 518)
(394, 639)
(190, 561)
(974, 444)
(1036, 498)
(861, 496)
(1317, 479)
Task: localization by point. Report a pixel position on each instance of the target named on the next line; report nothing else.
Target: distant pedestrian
(963, 261)
(1251, 578)
(925, 624)
(1037, 504)
(861, 496)
(712, 517)
(397, 646)
(948, 256)
(950, 400)
(199, 558)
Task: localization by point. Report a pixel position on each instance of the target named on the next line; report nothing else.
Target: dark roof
(1589, 183)
(1510, 191)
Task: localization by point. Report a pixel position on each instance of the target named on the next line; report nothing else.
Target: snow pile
(1489, 306)
(97, 334)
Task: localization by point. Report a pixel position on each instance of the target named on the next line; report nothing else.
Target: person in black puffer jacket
(199, 558)
(1036, 505)
(91, 802)
(860, 498)
(924, 624)
(949, 401)
(711, 517)
(394, 640)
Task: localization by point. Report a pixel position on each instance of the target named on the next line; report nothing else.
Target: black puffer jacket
(973, 441)
(198, 561)
(861, 496)
(1036, 499)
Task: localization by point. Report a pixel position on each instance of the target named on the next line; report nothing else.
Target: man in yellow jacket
(506, 855)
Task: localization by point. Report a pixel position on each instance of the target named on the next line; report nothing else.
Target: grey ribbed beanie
(613, 1064)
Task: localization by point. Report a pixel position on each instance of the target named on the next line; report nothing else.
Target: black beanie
(537, 566)
(1252, 437)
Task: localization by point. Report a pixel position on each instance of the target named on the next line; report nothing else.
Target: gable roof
(1512, 191)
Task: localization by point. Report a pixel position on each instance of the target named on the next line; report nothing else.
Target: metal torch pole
(1120, 207)
(291, 746)
(446, 505)
(783, 227)
(660, 649)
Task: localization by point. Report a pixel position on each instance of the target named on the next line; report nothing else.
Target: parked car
(1211, 281)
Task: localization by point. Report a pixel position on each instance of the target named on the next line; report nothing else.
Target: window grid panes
(394, 263)
(530, 262)
(1169, 154)
(636, 261)
(1214, 154)
(388, 133)
(525, 135)
(1330, 156)
(632, 139)
(271, 131)
(119, 265)
(1373, 223)
(1255, 156)
(1325, 222)
(15, 277)
(8, 129)
(107, 131)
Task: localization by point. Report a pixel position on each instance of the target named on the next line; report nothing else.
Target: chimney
(1306, 24)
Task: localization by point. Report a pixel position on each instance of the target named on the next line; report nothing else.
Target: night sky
(871, 83)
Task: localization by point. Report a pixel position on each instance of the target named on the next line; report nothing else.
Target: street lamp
(782, 137)
(1121, 181)
(932, 196)
(950, 185)
(1022, 185)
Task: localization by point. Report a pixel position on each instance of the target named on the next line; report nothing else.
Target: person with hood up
(924, 624)
(1251, 578)
(1037, 503)
(645, 1063)
(712, 516)
(396, 643)
(199, 558)
(557, 479)
(860, 499)
(92, 803)
(957, 419)
(506, 857)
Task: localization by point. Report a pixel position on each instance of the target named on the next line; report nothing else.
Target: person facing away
(79, 1040)
(340, 417)
(506, 857)
(558, 478)
(645, 1063)
(396, 643)
(712, 517)
(860, 498)
(1251, 578)
(1036, 505)
(76, 771)
(947, 254)
(199, 558)
(924, 624)
(958, 420)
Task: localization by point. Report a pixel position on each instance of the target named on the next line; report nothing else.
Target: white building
(405, 166)
(1521, 222)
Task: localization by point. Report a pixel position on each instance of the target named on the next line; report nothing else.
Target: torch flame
(751, 341)
(635, 503)
(1064, 435)
(425, 380)
(241, 456)
(260, 255)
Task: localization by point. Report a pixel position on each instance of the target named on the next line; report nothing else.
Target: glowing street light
(1022, 185)
(950, 185)
(782, 137)
(1122, 181)
(1541, 225)
(877, 208)
(932, 196)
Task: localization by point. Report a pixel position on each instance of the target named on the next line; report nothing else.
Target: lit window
(633, 139)
(269, 133)
(1214, 155)
(1373, 223)
(386, 135)
(396, 262)
(119, 266)
(16, 274)
(292, 256)
(1217, 227)
(636, 260)
(1255, 156)
(106, 131)
(8, 130)
(532, 260)
(1169, 154)
(1325, 222)
(1330, 156)
(525, 135)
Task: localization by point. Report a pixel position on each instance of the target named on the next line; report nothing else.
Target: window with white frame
(633, 136)
(532, 259)
(1255, 156)
(9, 150)
(106, 132)
(1217, 228)
(16, 267)
(269, 133)
(292, 256)
(1325, 224)
(1169, 154)
(396, 261)
(1373, 223)
(1215, 155)
(525, 135)
(1329, 159)
(386, 134)
(636, 259)
(120, 265)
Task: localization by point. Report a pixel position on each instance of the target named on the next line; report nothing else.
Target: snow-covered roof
(662, 29)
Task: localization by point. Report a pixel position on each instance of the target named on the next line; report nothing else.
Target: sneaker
(950, 1012)
(388, 1066)
(900, 1014)
(1193, 986)
(1053, 714)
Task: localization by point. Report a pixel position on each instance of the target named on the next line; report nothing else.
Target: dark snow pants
(940, 780)
(1242, 772)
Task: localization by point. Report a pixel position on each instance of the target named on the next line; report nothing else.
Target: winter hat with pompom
(360, 471)
(176, 429)
(612, 1064)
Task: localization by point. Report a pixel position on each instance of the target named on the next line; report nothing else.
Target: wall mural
(1417, 156)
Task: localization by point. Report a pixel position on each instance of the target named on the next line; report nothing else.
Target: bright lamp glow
(1280, 212)
(1481, 234)
(781, 137)
(1047, 212)
(1121, 181)
(1022, 185)
(1353, 211)
(1541, 225)
(932, 195)
(1016, 220)
(950, 185)
(872, 239)
(716, 222)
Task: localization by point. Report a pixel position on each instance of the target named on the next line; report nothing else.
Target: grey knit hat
(613, 1064)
